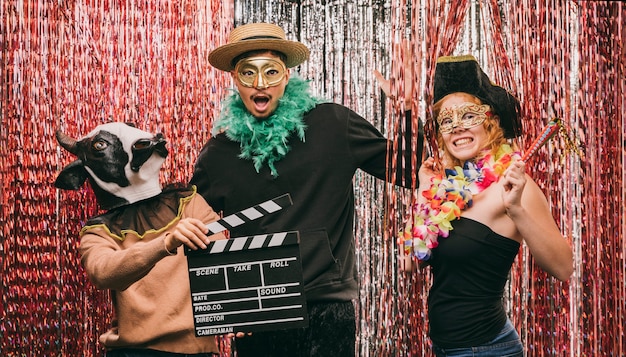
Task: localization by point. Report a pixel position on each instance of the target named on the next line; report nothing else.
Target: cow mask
(121, 162)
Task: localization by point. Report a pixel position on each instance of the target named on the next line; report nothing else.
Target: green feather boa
(267, 140)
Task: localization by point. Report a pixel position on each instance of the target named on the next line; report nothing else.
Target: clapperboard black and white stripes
(252, 242)
(248, 284)
(250, 214)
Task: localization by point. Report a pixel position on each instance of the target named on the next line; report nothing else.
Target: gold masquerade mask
(466, 115)
(260, 72)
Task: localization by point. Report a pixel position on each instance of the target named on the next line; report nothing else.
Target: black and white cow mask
(121, 162)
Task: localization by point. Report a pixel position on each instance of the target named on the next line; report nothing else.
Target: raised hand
(513, 182)
(385, 84)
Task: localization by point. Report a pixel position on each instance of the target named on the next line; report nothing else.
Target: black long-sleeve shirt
(318, 174)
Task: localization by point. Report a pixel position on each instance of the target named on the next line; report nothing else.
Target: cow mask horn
(121, 162)
(67, 142)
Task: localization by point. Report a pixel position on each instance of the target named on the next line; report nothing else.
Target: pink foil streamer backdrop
(76, 64)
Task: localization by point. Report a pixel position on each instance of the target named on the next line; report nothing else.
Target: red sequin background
(78, 63)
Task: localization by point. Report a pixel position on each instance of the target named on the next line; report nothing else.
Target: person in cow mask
(274, 137)
(135, 248)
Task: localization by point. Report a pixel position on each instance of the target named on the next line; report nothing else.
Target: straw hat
(257, 36)
(463, 74)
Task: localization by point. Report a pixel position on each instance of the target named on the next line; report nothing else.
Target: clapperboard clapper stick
(248, 284)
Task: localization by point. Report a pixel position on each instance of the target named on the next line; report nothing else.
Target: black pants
(331, 332)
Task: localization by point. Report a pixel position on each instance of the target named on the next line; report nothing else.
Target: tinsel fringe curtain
(76, 64)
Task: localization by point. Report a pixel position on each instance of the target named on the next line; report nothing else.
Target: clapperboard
(248, 284)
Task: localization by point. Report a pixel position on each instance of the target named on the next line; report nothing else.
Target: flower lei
(447, 197)
(267, 140)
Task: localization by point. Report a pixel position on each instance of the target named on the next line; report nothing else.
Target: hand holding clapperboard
(248, 284)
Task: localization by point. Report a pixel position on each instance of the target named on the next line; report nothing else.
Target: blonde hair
(495, 136)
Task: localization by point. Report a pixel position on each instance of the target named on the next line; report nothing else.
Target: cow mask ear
(72, 176)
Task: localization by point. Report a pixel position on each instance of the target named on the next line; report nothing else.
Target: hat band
(258, 37)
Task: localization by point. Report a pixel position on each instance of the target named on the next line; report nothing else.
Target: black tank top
(470, 269)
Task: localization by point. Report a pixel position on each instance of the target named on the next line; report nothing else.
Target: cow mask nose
(144, 148)
(159, 145)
